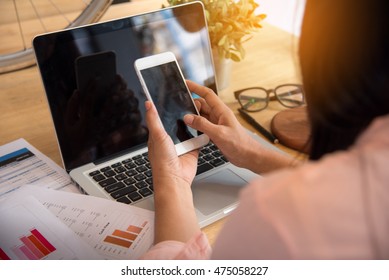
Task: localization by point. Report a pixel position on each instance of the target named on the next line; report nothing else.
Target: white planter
(222, 70)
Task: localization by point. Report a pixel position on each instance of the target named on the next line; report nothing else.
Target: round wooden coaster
(291, 127)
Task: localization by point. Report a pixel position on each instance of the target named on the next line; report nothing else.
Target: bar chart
(128, 237)
(125, 238)
(34, 246)
(33, 233)
(109, 229)
(116, 234)
(114, 230)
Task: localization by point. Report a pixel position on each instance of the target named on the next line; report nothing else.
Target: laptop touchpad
(217, 191)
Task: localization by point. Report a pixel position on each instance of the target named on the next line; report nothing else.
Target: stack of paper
(42, 222)
(77, 226)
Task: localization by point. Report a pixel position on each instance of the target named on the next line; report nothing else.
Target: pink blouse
(335, 208)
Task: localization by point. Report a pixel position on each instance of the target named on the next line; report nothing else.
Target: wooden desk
(24, 112)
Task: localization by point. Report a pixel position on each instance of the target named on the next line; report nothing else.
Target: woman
(332, 207)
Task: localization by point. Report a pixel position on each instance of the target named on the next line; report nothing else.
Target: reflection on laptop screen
(94, 94)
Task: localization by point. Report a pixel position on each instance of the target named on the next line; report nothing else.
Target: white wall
(285, 14)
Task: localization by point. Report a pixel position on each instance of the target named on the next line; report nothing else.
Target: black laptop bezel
(44, 43)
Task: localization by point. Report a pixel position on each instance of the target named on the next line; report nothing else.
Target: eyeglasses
(255, 99)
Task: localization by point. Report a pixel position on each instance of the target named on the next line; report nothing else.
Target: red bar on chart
(125, 234)
(118, 241)
(43, 240)
(3, 255)
(32, 247)
(19, 253)
(28, 253)
(38, 245)
(134, 229)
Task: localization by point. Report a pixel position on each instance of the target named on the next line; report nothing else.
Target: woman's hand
(223, 128)
(220, 124)
(175, 217)
(165, 163)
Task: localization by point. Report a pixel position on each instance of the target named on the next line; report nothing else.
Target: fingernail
(147, 105)
(188, 119)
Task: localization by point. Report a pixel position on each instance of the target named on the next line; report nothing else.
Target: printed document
(114, 230)
(21, 163)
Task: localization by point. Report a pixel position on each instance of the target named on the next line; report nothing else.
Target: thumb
(201, 124)
(153, 121)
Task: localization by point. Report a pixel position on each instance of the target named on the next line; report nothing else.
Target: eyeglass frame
(237, 93)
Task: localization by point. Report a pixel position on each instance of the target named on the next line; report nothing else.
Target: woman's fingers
(208, 94)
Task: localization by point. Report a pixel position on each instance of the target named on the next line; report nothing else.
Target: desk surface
(270, 61)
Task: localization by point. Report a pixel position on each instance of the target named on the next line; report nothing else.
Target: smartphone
(96, 72)
(164, 85)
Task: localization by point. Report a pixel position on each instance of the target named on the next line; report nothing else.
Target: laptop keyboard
(131, 180)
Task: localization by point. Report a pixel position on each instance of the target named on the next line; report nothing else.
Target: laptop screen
(95, 97)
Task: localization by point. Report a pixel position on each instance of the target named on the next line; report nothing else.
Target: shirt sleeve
(197, 248)
(250, 232)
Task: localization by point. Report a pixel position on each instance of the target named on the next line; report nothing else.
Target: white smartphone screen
(170, 95)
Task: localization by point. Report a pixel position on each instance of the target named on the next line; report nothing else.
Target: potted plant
(230, 23)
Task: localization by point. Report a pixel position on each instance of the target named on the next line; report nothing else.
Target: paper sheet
(113, 229)
(21, 163)
(29, 232)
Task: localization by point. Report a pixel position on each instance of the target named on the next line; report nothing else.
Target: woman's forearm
(175, 217)
(261, 159)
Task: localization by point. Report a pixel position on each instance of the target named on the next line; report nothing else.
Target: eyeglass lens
(253, 99)
(290, 95)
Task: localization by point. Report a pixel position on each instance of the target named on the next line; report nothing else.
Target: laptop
(97, 106)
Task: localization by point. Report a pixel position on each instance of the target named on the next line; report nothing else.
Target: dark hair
(344, 58)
